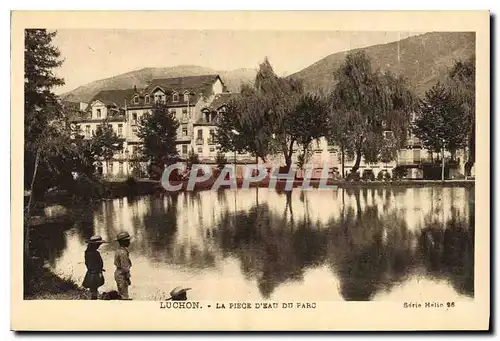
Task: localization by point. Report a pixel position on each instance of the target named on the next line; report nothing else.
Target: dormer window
(175, 97)
(136, 100)
(146, 99)
(186, 96)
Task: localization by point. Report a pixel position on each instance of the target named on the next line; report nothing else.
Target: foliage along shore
(40, 283)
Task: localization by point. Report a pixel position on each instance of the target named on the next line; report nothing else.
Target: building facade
(197, 102)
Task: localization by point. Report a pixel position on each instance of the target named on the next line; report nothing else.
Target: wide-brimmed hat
(123, 236)
(97, 239)
(177, 291)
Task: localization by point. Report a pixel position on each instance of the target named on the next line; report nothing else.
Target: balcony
(199, 141)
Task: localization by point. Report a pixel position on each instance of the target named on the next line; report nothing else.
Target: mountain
(422, 60)
(140, 78)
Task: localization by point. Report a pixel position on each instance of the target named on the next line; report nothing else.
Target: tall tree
(41, 106)
(46, 139)
(261, 116)
(364, 104)
(441, 123)
(462, 82)
(159, 131)
(281, 97)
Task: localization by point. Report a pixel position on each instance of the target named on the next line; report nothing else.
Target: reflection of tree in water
(369, 253)
(368, 250)
(267, 248)
(48, 243)
(159, 234)
(448, 252)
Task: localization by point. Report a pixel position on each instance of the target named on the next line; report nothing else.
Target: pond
(393, 244)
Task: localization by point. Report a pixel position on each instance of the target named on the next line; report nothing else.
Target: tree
(192, 159)
(46, 140)
(364, 104)
(462, 82)
(159, 131)
(261, 116)
(281, 97)
(248, 116)
(220, 160)
(105, 143)
(441, 123)
(307, 123)
(389, 149)
(41, 106)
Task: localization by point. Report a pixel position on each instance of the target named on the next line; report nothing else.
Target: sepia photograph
(266, 176)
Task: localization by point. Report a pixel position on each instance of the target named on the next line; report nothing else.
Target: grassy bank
(42, 284)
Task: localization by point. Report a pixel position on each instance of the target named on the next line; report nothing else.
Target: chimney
(135, 88)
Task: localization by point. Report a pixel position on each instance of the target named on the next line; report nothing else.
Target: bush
(87, 188)
(387, 176)
(380, 175)
(368, 175)
(220, 160)
(353, 176)
(399, 173)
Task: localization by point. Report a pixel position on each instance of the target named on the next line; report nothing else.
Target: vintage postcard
(252, 171)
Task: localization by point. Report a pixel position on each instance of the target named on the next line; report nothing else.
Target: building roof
(196, 86)
(221, 100)
(180, 84)
(114, 97)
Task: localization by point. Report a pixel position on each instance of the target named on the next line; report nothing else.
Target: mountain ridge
(403, 57)
(422, 59)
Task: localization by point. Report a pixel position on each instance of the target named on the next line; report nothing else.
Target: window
(212, 134)
(78, 128)
(146, 99)
(186, 96)
(184, 149)
(184, 113)
(212, 149)
(388, 134)
(200, 134)
(134, 118)
(87, 130)
(110, 167)
(184, 131)
(173, 111)
(175, 97)
(134, 130)
(200, 150)
(136, 99)
(120, 129)
(98, 113)
(134, 149)
(120, 167)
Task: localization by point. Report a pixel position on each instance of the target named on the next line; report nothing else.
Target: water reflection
(262, 244)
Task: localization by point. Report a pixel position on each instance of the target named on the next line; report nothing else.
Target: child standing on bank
(123, 265)
(95, 267)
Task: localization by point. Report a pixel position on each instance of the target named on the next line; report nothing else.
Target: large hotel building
(197, 101)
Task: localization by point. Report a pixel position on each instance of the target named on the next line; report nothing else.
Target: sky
(91, 55)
